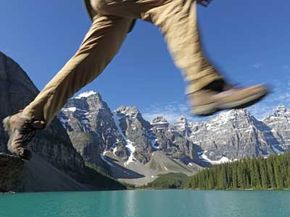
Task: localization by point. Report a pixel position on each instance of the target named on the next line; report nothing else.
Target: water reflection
(130, 204)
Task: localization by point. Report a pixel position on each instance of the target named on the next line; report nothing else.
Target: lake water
(168, 203)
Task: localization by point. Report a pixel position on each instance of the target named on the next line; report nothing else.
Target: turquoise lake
(167, 203)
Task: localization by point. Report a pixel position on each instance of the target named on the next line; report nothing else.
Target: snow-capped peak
(231, 115)
(86, 94)
(281, 110)
(182, 119)
(159, 120)
(130, 111)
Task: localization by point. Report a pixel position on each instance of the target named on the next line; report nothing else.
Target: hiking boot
(21, 130)
(206, 102)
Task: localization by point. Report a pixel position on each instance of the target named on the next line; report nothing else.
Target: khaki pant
(177, 20)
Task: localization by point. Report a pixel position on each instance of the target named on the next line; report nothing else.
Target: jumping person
(207, 90)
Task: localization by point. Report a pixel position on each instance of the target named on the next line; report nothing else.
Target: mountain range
(132, 150)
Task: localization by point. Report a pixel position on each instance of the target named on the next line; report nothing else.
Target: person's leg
(98, 48)
(177, 19)
(178, 22)
(206, 89)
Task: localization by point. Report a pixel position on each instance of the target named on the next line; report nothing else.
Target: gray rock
(235, 134)
(137, 130)
(91, 127)
(279, 126)
(55, 165)
(133, 139)
(182, 126)
(11, 169)
(160, 123)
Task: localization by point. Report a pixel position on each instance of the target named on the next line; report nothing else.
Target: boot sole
(210, 109)
(205, 110)
(243, 103)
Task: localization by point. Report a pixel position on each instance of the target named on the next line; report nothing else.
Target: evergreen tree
(257, 173)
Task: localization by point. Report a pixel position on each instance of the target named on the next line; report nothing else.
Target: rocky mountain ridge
(123, 139)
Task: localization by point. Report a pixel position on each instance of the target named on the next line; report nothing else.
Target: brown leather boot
(21, 130)
(206, 102)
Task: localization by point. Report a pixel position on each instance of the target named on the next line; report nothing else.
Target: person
(207, 90)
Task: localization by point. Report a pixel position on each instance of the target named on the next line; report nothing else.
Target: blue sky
(248, 41)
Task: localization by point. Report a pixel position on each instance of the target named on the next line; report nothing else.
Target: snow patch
(129, 144)
(159, 122)
(86, 94)
(115, 150)
(131, 149)
(70, 109)
(220, 161)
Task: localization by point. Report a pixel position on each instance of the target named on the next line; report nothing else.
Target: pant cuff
(196, 85)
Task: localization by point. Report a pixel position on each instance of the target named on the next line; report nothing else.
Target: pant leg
(177, 20)
(101, 43)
